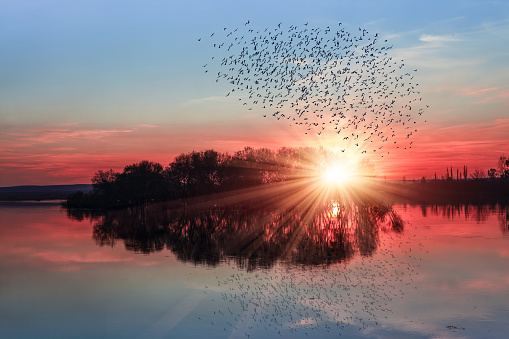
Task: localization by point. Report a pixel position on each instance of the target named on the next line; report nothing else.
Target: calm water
(350, 271)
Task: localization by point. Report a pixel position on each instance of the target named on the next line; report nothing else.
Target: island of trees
(195, 174)
(210, 172)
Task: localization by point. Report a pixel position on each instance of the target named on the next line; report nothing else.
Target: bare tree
(478, 174)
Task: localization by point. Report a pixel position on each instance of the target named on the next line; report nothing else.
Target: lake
(336, 270)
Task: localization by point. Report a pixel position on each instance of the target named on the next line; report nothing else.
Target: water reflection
(296, 292)
(478, 213)
(255, 237)
(338, 269)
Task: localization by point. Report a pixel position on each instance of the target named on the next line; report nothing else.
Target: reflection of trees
(82, 214)
(479, 212)
(254, 237)
(503, 218)
(142, 229)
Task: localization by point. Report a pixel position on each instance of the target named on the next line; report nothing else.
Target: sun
(338, 174)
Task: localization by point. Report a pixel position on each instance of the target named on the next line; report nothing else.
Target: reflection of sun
(334, 211)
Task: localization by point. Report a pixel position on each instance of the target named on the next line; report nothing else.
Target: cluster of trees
(502, 171)
(481, 188)
(197, 173)
(138, 184)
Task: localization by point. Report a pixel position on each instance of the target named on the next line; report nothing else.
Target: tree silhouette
(196, 173)
(478, 174)
(139, 184)
(503, 166)
(142, 183)
(256, 236)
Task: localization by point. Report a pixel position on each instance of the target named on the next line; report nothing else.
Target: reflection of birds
(321, 79)
(287, 299)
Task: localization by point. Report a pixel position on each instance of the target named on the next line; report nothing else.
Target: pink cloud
(147, 126)
(496, 97)
(481, 95)
(53, 136)
(469, 91)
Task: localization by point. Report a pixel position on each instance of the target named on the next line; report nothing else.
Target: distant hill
(34, 192)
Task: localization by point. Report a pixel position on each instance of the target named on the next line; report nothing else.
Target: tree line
(196, 173)
(501, 171)
(210, 172)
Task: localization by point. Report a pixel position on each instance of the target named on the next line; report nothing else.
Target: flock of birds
(326, 80)
(307, 301)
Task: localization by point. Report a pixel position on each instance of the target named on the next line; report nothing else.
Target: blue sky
(116, 66)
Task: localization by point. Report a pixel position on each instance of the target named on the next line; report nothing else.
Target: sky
(89, 85)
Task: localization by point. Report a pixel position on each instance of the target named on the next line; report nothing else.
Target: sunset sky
(89, 85)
